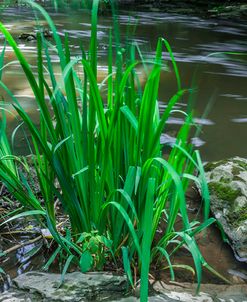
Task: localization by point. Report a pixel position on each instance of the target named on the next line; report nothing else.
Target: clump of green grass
(114, 185)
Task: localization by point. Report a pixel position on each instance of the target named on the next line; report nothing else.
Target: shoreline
(228, 10)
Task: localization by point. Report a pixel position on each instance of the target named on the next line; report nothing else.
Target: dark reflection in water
(199, 46)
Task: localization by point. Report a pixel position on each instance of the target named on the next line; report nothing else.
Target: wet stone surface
(37, 286)
(227, 181)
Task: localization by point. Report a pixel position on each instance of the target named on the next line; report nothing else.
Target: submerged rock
(227, 182)
(32, 36)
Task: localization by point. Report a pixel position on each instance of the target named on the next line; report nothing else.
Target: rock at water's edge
(227, 182)
(43, 287)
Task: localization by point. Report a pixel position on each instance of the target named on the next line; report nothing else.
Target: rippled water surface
(200, 46)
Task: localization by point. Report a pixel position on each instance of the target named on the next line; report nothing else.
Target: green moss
(224, 192)
(210, 166)
(237, 216)
(237, 178)
(236, 170)
(225, 180)
(240, 163)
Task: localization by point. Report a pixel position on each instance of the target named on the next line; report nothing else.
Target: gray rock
(77, 286)
(43, 287)
(208, 292)
(227, 181)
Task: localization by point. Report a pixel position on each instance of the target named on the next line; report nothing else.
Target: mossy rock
(224, 191)
(227, 182)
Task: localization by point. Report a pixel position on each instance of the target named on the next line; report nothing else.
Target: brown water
(220, 79)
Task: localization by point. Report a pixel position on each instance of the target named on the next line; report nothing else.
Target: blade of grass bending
(147, 239)
(213, 271)
(85, 112)
(126, 263)
(168, 47)
(2, 59)
(96, 99)
(183, 266)
(53, 29)
(117, 105)
(5, 150)
(31, 79)
(202, 226)
(51, 259)
(65, 268)
(72, 104)
(155, 139)
(130, 117)
(126, 197)
(93, 40)
(192, 233)
(196, 254)
(15, 187)
(128, 223)
(147, 111)
(25, 214)
(110, 80)
(40, 64)
(204, 186)
(95, 104)
(56, 235)
(180, 203)
(34, 131)
(166, 255)
(75, 212)
(118, 49)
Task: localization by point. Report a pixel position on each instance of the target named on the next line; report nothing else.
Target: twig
(16, 247)
(18, 232)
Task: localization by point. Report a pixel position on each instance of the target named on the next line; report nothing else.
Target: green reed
(115, 187)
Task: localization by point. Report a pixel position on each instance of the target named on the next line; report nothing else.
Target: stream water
(219, 79)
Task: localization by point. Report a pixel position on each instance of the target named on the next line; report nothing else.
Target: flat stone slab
(208, 292)
(44, 287)
(76, 287)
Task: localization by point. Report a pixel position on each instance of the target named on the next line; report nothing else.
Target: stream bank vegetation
(100, 158)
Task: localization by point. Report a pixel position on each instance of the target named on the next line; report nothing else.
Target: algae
(224, 192)
(241, 163)
(236, 170)
(238, 216)
(225, 180)
(211, 166)
(237, 178)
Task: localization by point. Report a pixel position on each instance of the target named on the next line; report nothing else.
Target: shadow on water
(21, 251)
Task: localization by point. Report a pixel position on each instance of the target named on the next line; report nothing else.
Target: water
(220, 79)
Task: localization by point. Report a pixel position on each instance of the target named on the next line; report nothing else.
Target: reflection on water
(25, 258)
(200, 48)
